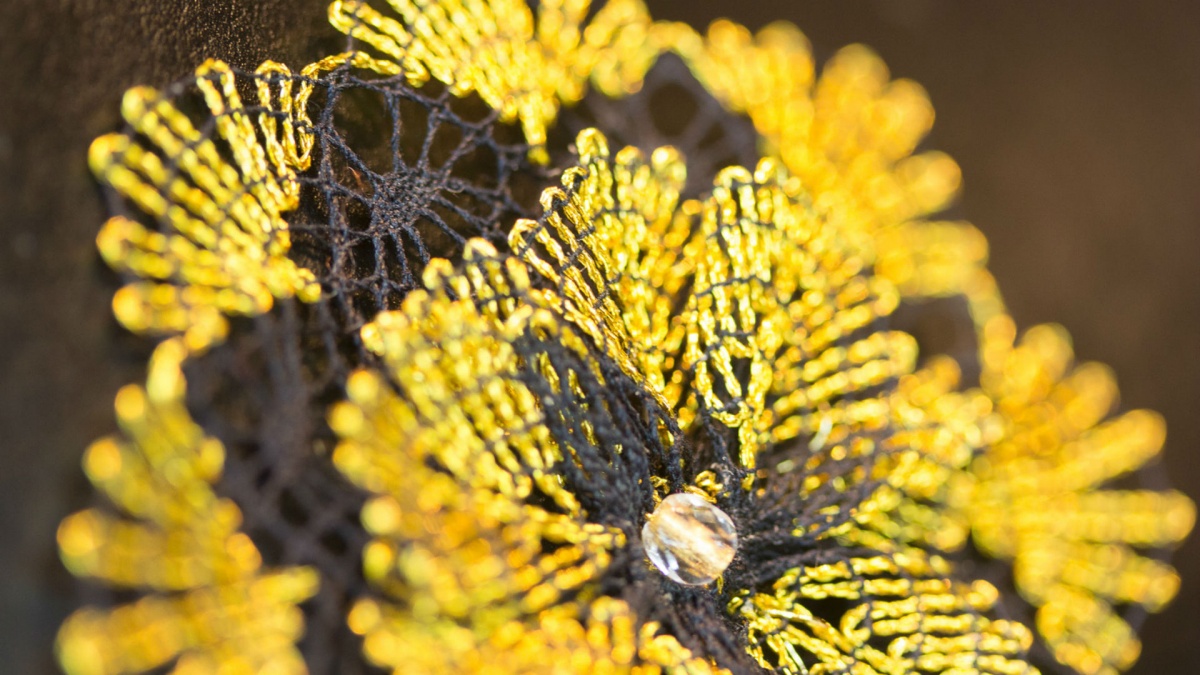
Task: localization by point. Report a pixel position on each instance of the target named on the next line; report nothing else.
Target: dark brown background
(1077, 126)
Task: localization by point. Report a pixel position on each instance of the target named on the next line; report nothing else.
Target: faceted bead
(689, 540)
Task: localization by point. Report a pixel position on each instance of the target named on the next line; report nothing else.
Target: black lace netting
(402, 175)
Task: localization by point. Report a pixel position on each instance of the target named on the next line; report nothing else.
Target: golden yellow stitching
(494, 49)
(224, 245)
(210, 605)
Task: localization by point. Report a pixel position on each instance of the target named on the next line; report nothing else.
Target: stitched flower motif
(475, 572)
(226, 242)
(507, 393)
(467, 431)
(1037, 497)
(209, 603)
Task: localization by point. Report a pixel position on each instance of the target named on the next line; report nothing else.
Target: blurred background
(1077, 126)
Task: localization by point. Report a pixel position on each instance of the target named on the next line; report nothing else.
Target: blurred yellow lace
(940, 431)
(209, 604)
(850, 137)
(494, 48)
(224, 243)
(1036, 497)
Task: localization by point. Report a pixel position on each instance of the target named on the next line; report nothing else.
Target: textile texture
(435, 322)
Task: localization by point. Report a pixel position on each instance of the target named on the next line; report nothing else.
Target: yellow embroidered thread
(905, 616)
(755, 307)
(849, 131)
(756, 249)
(775, 270)
(752, 279)
(224, 245)
(604, 636)
(1035, 497)
(942, 430)
(614, 253)
(209, 605)
(849, 135)
(494, 49)
(458, 549)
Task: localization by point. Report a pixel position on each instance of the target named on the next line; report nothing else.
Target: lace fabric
(372, 300)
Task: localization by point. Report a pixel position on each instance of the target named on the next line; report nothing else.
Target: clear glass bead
(689, 540)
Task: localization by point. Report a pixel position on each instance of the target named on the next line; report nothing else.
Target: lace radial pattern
(440, 320)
